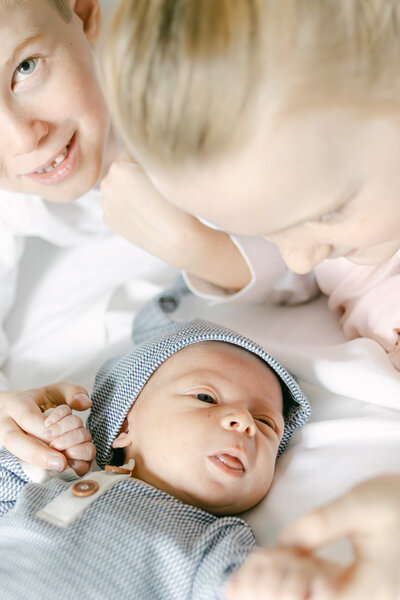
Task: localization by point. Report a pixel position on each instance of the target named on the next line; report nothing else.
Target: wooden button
(115, 469)
(87, 487)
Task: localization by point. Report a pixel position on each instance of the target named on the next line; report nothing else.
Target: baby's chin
(226, 505)
(211, 495)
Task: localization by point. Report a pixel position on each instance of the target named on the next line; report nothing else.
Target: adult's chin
(375, 255)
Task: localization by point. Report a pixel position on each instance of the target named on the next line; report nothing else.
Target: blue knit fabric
(156, 338)
(133, 541)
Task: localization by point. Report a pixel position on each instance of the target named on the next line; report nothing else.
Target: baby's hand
(283, 574)
(65, 432)
(22, 428)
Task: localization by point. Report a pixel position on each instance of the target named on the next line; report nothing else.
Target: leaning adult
(278, 123)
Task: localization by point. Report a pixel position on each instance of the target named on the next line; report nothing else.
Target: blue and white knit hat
(156, 338)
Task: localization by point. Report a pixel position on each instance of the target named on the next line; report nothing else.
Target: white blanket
(354, 432)
(63, 328)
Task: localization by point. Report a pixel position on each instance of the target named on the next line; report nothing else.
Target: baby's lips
(230, 461)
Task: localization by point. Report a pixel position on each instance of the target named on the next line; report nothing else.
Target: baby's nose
(240, 421)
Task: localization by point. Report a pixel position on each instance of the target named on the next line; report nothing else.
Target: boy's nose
(239, 420)
(22, 134)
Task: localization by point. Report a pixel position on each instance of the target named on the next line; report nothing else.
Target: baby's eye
(267, 421)
(205, 398)
(24, 69)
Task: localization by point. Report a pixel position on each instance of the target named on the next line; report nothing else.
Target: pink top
(367, 299)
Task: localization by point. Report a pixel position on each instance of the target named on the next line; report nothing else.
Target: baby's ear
(122, 441)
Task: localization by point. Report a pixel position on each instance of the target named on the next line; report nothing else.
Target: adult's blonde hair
(181, 75)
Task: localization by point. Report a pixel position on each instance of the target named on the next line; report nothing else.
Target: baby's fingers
(81, 467)
(85, 451)
(32, 451)
(64, 425)
(76, 437)
(57, 414)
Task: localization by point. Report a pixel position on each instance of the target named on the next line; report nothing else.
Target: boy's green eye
(25, 68)
(205, 398)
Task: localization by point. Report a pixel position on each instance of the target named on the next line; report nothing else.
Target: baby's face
(51, 106)
(319, 180)
(207, 426)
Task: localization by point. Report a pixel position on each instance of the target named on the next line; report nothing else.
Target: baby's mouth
(229, 461)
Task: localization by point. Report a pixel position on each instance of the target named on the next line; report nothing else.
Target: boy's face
(319, 183)
(53, 119)
(207, 426)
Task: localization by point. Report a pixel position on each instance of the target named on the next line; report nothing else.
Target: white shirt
(271, 281)
(62, 278)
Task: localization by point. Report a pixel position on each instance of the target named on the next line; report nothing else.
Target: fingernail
(55, 463)
(82, 396)
(50, 420)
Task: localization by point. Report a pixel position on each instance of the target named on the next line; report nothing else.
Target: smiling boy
(56, 144)
(54, 121)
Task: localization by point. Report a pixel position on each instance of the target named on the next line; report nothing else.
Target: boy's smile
(53, 118)
(58, 168)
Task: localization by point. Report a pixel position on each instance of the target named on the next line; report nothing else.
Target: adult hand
(369, 516)
(23, 428)
(283, 574)
(134, 209)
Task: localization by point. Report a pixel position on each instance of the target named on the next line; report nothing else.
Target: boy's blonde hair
(63, 9)
(182, 74)
(60, 5)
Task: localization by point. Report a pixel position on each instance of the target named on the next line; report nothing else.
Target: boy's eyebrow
(24, 44)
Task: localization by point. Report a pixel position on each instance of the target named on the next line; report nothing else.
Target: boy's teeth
(55, 163)
(60, 158)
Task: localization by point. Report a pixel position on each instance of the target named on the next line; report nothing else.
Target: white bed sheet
(65, 328)
(354, 432)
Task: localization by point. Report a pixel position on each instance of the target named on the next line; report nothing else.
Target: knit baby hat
(157, 337)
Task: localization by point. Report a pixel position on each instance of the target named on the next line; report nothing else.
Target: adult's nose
(304, 260)
(239, 420)
(301, 252)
